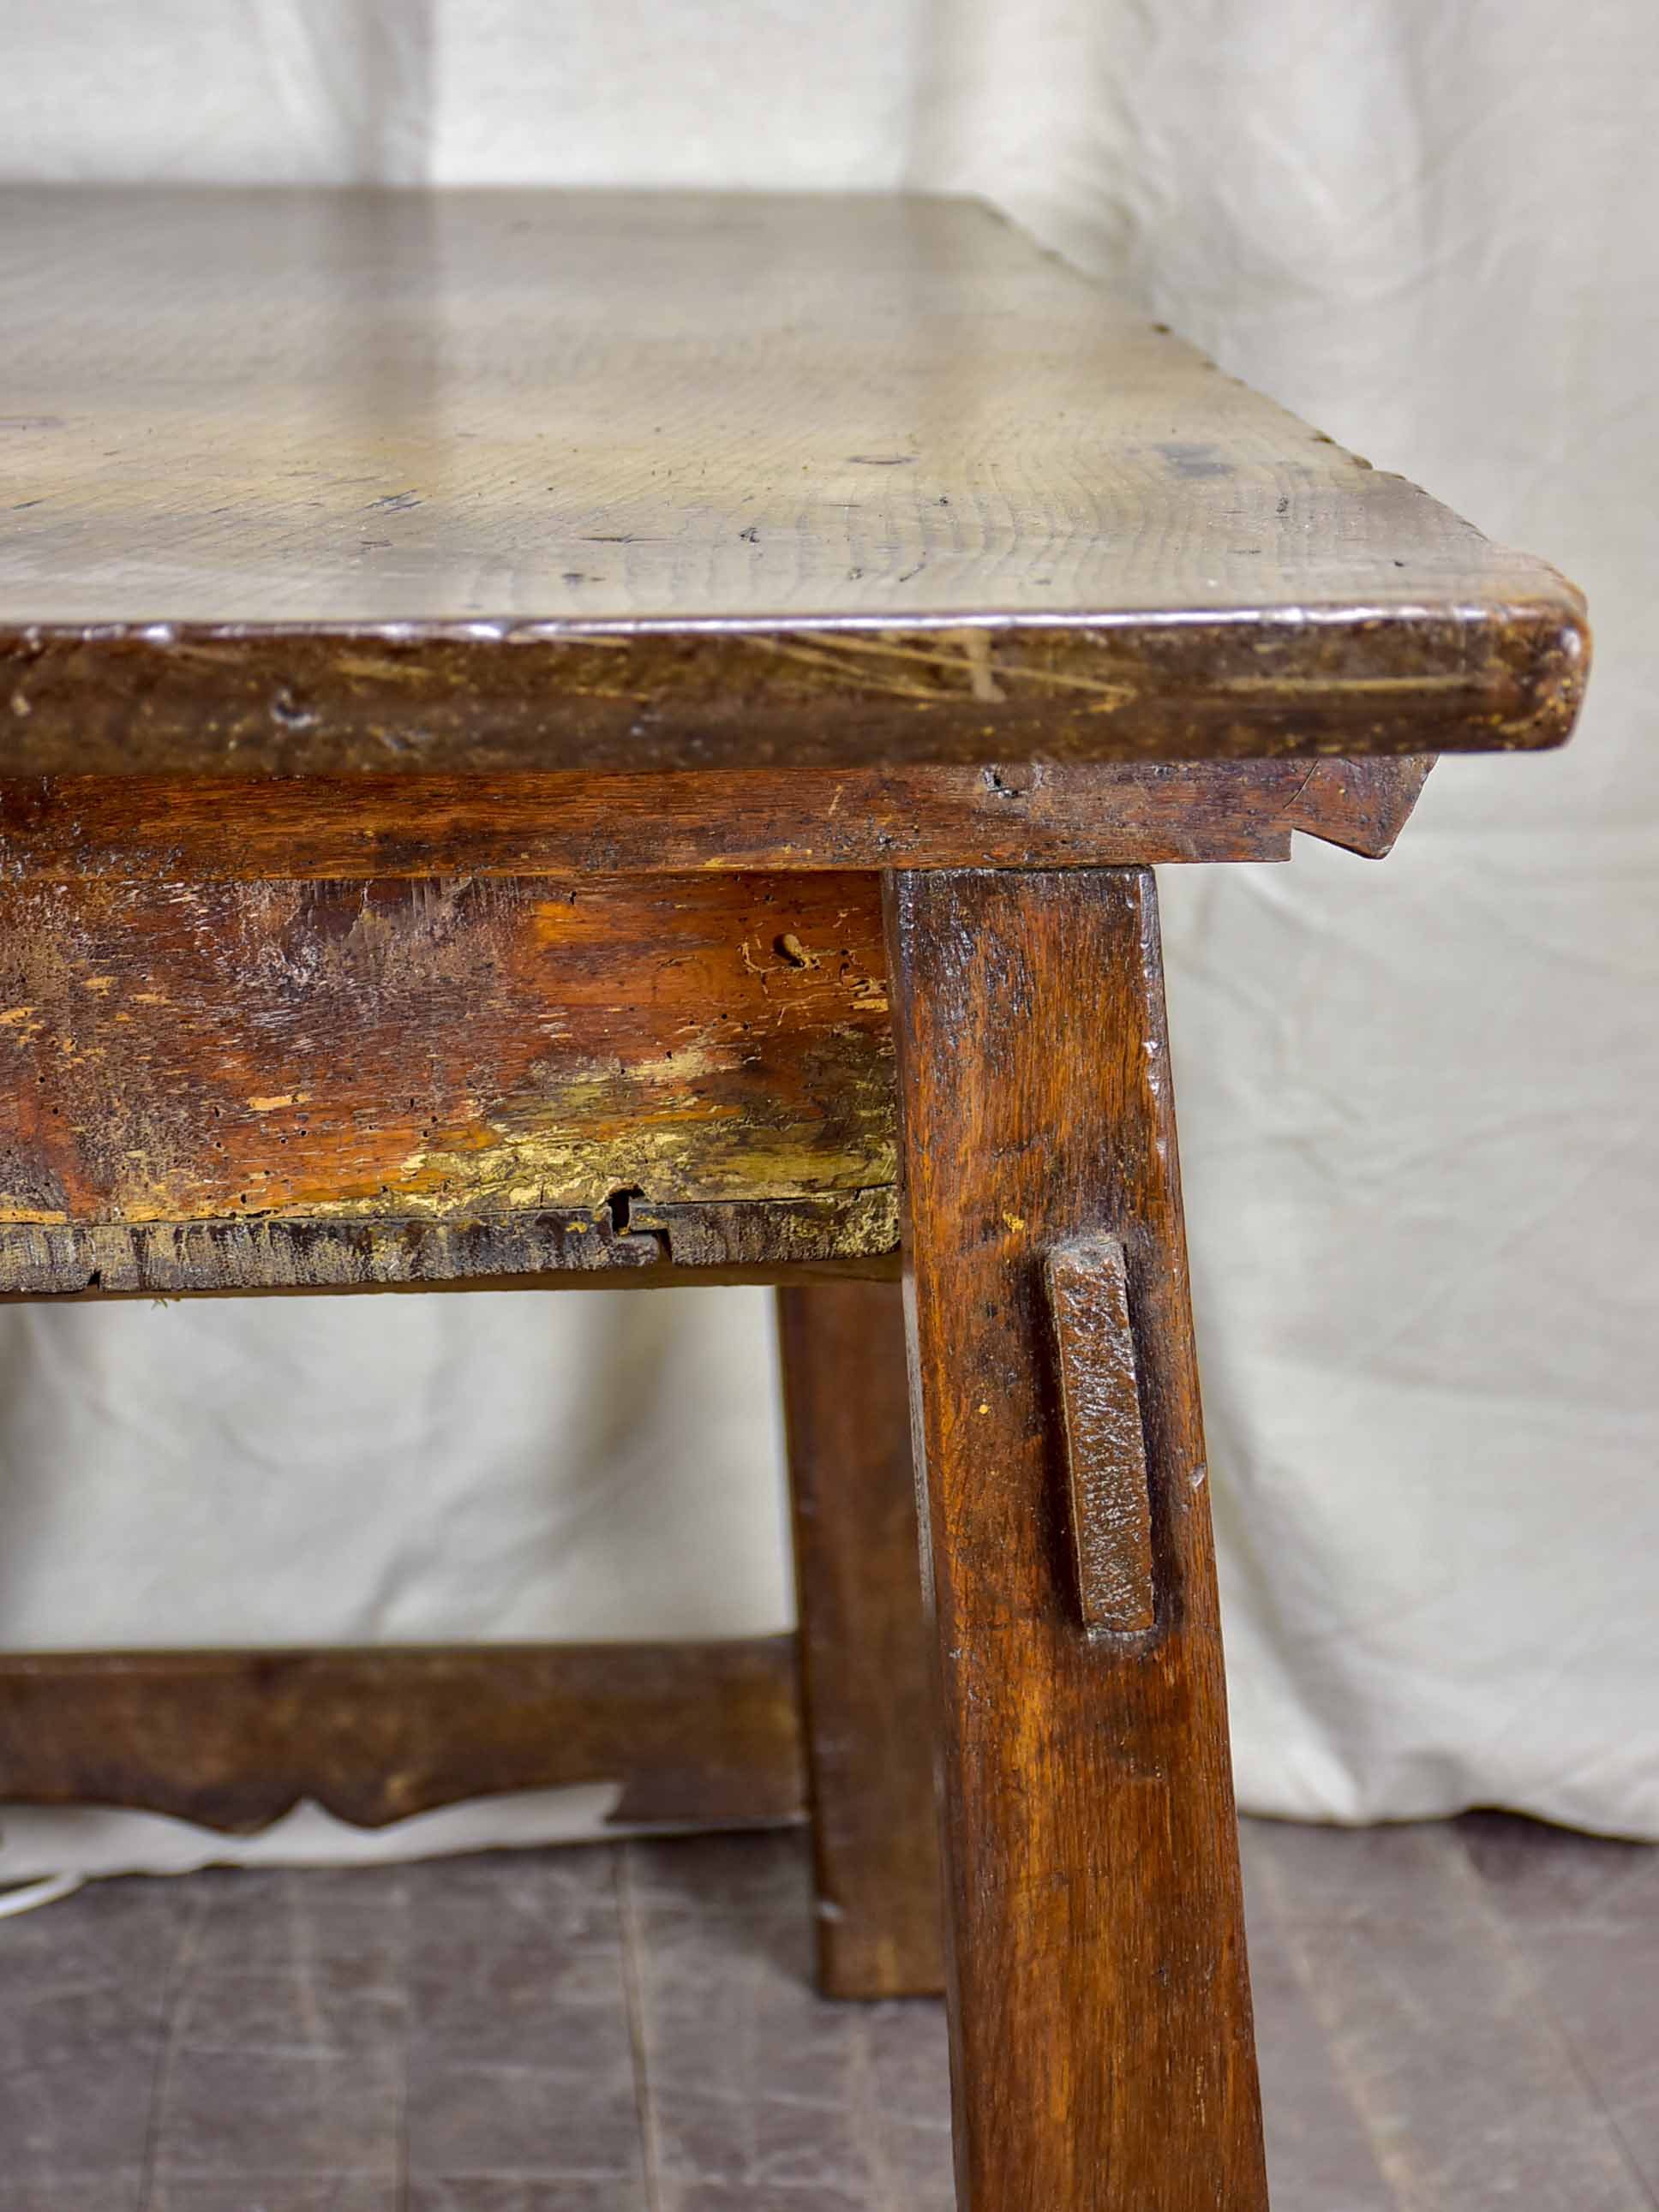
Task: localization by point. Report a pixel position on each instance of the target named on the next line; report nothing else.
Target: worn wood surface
(222, 1086)
(238, 829)
(1102, 2053)
(698, 1246)
(867, 1691)
(1108, 1482)
(691, 1734)
(323, 480)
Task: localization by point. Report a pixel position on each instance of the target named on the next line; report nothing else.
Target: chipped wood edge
(759, 1240)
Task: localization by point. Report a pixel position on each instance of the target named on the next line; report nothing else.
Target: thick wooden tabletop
(330, 480)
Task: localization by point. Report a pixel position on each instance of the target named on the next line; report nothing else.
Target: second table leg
(866, 1689)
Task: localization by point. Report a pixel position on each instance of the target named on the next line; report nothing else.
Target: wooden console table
(550, 740)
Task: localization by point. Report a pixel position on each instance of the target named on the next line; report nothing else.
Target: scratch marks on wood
(1170, 687)
(927, 479)
(1105, 1445)
(949, 663)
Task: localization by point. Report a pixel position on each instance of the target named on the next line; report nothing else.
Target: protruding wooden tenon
(1111, 1506)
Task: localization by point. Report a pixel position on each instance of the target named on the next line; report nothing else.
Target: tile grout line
(1464, 1878)
(401, 2185)
(1289, 1937)
(867, 2111)
(633, 2003)
(167, 2045)
(1513, 1937)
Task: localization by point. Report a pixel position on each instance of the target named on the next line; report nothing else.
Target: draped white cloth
(1416, 1099)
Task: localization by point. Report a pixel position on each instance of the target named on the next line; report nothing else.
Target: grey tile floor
(1461, 2015)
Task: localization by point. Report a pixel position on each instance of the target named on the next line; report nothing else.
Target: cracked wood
(223, 1087)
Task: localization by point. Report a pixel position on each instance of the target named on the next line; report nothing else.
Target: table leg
(1102, 2053)
(865, 1683)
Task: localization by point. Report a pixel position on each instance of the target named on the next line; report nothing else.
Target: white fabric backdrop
(1423, 1183)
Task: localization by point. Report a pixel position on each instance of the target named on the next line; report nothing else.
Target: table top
(342, 479)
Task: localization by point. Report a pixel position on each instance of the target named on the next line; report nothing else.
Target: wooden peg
(1111, 1515)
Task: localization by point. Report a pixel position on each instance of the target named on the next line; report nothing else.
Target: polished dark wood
(1102, 2050)
(866, 1688)
(320, 481)
(691, 1734)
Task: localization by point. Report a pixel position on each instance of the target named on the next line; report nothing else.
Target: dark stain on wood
(692, 1734)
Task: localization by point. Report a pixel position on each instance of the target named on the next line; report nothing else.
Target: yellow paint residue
(460, 1137)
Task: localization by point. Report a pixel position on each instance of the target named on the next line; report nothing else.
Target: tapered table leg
(1102, 2058)
(866, 1681)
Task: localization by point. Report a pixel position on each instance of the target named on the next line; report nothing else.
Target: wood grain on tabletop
(1101, 2014)
(687, 1732)
(323, 480)
(867, 1685)
(209, 1086)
